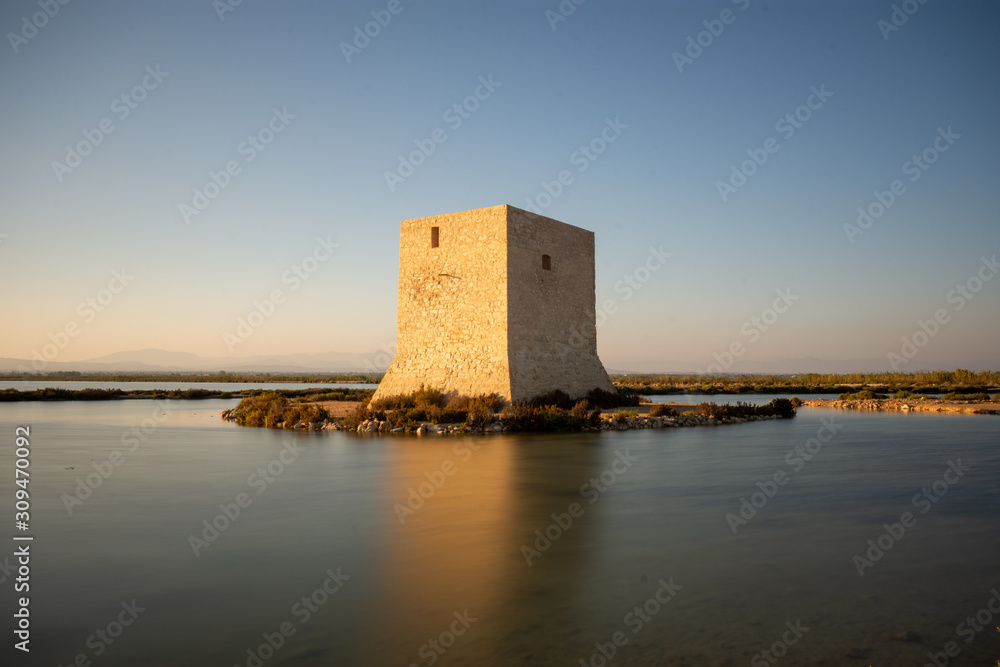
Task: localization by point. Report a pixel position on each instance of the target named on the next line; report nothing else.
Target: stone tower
(495, 300)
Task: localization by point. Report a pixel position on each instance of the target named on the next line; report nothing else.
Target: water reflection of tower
(449, 553)
(540, 619)
(462, 548)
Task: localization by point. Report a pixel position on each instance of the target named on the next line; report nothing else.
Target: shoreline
(613, 419)
(934, 405)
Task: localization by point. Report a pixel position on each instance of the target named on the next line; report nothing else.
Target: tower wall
(452, 305)
(481, 313)
(551, 338)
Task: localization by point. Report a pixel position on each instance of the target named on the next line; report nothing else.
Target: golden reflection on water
(447, 538)
(461, 549)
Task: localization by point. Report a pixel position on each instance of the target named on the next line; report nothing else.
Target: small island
(426, 411)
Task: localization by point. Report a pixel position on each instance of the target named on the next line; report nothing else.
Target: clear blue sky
(657, 184)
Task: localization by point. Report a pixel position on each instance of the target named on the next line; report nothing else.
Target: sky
(168, 168)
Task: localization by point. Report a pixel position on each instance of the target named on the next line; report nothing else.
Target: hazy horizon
(375, 362)
(171, 169)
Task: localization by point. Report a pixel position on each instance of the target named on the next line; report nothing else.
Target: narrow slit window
(435, 240)
(546, 262)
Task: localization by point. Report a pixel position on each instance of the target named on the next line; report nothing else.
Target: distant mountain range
(770, 366)
(165, 361)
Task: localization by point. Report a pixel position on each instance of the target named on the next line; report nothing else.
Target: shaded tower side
(551, 333)
(451, 331)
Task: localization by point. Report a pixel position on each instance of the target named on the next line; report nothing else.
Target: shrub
(415, 414)
(903, 393)
(403, 402)
(363, 395)
(253, 410)
(447, 415)
(433, 414)
(52, 394)
(627, 398)
(479, 417)
(419, 398)
(621, 397)
(426, 396)
(796, 401)
(781, 407)
(580, 409)
(431, 405)
(558, 398)
(359, 414)
(519, 417)
(409, 419)
(557, 419)
(716, 411)
(269, 409)
(862, 395)
(662, 410)
(190, 393)
(623, 416)
(523, 417)
(490, 403)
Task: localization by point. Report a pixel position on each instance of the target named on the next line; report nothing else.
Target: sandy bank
(909, 405)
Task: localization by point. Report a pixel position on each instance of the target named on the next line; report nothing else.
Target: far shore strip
(991, 407)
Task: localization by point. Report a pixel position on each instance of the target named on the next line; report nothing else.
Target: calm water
(331, 505)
